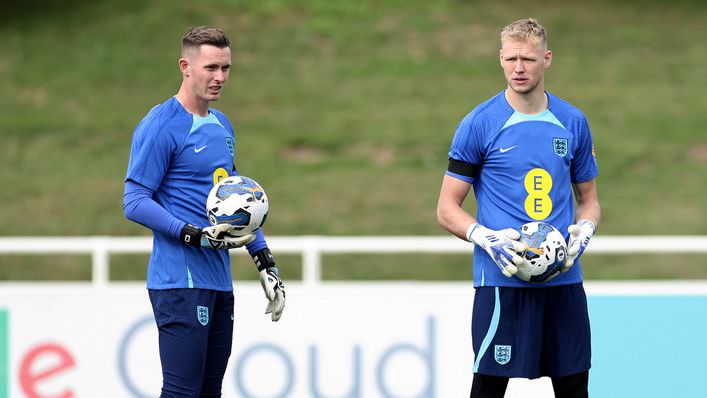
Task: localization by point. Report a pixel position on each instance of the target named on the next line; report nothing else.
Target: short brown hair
(209, 35)
(528, 29)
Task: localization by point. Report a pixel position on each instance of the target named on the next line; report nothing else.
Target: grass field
(344, 112)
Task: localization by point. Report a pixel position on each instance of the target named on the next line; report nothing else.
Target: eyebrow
(217, 65)
(525, 57)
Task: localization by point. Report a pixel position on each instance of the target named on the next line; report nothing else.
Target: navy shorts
(195, 328)
(531, 332)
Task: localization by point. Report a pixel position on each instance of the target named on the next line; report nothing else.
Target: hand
(274, 291)
(214, 237)
(503, 246)
(219, 237)
(580, 234)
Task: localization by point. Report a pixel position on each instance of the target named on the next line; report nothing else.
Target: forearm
(454, 219)
(138, 206)
(587, 202)
(450, 214)
(257, 244)
(589, 211)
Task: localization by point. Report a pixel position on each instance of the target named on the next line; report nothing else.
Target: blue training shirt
(528, 164)
(180, 156)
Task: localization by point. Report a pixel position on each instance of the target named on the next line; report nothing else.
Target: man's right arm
(502, 246)
(138, 206)
(450, 214)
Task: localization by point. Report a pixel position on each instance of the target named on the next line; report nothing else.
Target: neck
(529, 103)
(192, 103)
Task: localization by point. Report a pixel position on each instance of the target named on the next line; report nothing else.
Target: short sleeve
(466, 144)
(466, 147)
(584, 164)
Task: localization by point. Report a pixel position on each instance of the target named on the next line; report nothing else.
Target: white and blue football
(239, 201)
(545, 252)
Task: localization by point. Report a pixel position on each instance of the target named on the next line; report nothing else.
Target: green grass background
(344, 112)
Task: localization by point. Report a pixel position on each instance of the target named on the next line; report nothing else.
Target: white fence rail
(311, 248)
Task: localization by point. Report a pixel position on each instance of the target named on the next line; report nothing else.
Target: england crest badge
(202, 314)
(559, 145)
(502, 354)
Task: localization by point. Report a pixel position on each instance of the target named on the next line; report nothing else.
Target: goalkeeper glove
(580, 234)
(503, 246)
(272, 284)
(213, 237)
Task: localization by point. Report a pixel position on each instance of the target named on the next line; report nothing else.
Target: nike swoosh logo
(504, 150)
(197, 150)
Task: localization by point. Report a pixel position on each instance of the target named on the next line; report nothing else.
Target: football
(545, 252)
(239, 201)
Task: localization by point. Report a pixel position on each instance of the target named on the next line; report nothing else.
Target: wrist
(475, 227)
(263, 259)
(190, 235)
(586, 226)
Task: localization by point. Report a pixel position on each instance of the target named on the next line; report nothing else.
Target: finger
(518, 247)
(279, 306)
(269, 292)
(573, 229)
(239, 241)
(553, 276)
(511, 233)
(517, 260)
(567, 266)
(507, 271)
(222, 228)
(267, 287)
(513, 256)
(507, 268)
(573, 250)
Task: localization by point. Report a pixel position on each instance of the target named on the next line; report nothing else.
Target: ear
(184, 66)
(548, 58)
(500, 57)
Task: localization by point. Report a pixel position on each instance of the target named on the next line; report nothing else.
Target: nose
(221, 76)
(519, 67)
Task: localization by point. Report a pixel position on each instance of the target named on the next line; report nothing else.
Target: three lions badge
(202, 314)
(502, 354)
(559, 145)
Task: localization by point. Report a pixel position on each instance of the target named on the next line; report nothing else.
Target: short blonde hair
(528, 29)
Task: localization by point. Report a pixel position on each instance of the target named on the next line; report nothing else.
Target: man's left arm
(269, 275)
(587, 217)
(268, 272)
(587, 202)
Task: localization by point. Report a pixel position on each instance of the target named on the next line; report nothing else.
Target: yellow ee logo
(538, 184)
(219, 174)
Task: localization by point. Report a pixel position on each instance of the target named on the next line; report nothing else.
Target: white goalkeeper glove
(214, 237)
(272, 284)
(503, 246)
(580, 234)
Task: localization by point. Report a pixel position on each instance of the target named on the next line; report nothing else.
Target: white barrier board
(351, 340)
